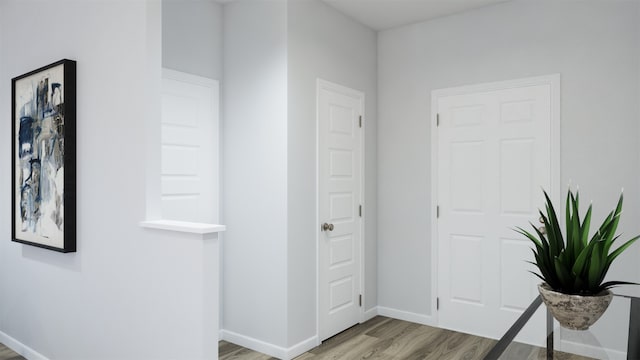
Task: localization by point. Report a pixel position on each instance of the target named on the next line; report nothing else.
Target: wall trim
(302, 347)
(591, 351)
(20, 348)
(407, 316)
(370, 314)
(267, 348)
(253, 344)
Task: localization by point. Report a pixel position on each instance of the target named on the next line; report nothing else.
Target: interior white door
(494, 159)
(339, 197)
(189, 135)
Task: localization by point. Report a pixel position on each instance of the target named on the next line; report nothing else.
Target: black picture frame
(43, 157)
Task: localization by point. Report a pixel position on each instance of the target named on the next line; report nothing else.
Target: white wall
(255, 171)
(592, 44)
(192, 37)
(324, 44)
(128, 293)
(638, 102)
(273, 54)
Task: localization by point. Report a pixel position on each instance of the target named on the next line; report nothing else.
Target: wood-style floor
(387, 339)
(8, 354)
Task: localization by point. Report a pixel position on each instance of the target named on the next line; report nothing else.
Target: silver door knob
(541, 220)
(543, 230)
(327, 227)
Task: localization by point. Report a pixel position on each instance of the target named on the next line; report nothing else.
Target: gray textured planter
(575, 312)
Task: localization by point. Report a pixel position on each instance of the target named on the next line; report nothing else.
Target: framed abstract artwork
(43, 124)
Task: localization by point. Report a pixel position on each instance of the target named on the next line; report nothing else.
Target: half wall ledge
(203, 229)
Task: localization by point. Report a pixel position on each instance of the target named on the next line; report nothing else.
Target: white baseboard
(406, 316)
(302, 347)
(370, 314)
(267, 348)
(595, 352)
(20, 348)
(253, 344)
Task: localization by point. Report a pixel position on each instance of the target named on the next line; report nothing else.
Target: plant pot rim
(546, 287)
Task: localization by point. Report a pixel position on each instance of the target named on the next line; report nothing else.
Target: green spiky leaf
(572, 262)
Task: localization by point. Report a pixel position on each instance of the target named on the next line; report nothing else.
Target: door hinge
(360, 211)
(360, 300)
(438, 212)
(437, 303)
(437, 120)
(360, 121)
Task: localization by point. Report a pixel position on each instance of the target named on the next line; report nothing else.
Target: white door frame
(324, 84)
(554, 82)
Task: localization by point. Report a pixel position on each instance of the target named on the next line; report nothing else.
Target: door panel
(493, 159)
(466, 269)
(515, 294)
(339, 198)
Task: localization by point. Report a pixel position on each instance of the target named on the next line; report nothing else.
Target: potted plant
(572, 265)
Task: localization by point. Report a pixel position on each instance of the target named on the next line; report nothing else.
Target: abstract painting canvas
(44, 157)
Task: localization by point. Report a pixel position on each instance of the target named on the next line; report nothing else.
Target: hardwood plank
(378, 335)
(306, 356)
(392, 329)
(225, 348)
(417, 343)
(530, 352)
(444, 346)
(476, 347)
(246, 354)
(378, 321)
(8, 354)
(353, 349)
(520, 351)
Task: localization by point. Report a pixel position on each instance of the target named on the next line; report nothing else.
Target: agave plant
(575, 263)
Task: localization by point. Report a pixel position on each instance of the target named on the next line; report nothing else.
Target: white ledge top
(183, 226)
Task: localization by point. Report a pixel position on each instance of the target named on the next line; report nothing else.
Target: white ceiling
(387, 14)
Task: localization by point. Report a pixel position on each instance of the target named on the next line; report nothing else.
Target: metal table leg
(633, 348)
(549, 335)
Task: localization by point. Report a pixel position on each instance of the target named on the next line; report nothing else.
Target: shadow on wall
(70, 261)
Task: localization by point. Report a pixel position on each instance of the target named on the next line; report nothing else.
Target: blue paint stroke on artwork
(25, 136)
(42, 100)
(41, 158)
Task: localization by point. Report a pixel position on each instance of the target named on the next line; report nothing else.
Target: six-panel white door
(494, 159)
(339, 197)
